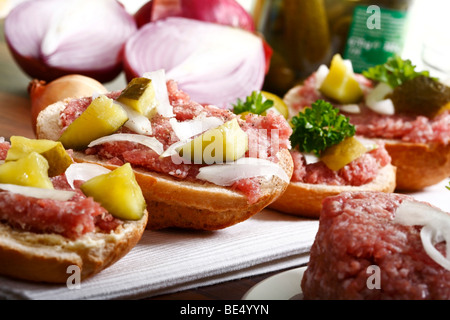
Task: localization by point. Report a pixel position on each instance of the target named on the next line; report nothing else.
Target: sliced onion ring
(83, 172)
(214, 64)
(149, 142)
(228, 173)
(40, 193)
(436, 227)
(53, 38)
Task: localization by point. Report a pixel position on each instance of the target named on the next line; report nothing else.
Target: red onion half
(226, 12)
(52, 38)
(214, 64)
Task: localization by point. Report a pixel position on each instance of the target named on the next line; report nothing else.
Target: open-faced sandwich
(407, 109)
(199, 166)
(58, 217)
(374, 245)
(330, 159)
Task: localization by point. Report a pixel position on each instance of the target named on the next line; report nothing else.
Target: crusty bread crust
(199, 205)
(303, 199)
(47, 257)
(419, 165)
(182, 204)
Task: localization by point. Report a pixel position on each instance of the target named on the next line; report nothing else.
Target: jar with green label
(367, 32)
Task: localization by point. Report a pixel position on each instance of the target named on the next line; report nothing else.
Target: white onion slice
(377, 102)
(83, 172)
(190, 128)
(228, 173)
(436, 227)
(311, 158)
(212, 63)
(159, 83)
(149, 142)
(321, 74)
(136, 122)
(350, 108)
(40, 193)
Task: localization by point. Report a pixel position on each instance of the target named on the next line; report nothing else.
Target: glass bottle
(298, 32)
(367, 32)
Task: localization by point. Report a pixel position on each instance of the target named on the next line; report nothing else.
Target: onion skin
(226, 12)
(43, 94)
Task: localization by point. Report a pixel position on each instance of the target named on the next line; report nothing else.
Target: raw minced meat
(358, 172)
(71, 218)
(356, 236)
(408, 128)
(267, 135)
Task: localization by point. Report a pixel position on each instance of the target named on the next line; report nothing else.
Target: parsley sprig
(319, 127)
(254, 103)
(394, 72)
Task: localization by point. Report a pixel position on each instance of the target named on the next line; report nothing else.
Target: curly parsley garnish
(255, 103)
(319, 127)
(394, 72)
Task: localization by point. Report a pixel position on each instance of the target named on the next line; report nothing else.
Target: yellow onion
(43, 94)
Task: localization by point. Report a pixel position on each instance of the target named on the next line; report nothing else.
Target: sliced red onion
(214, 64)
(228, 173)
(149, 142)
(226, 12)
(435, 227)
(52, 38)
(83, 172)
(40, 193)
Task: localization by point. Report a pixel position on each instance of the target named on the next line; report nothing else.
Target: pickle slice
(29, 171)
(340, 83)
(58, 158)
(101, 118)
(341, 154)
(140, 95)
(225, 143)
(118, 192)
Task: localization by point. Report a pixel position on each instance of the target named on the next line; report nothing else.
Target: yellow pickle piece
(341, 154)
(140, 96)
(29, 171)
(101, 118)
(340, 84)
(225, 143)
(118, 192)
(58, 158)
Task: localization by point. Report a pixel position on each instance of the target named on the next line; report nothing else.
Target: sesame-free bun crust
(419, 165)
(47, 257)
(305, 200)
(179, 203)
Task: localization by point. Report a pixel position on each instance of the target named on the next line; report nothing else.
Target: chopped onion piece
(311, 158)
(350, 108)
(137, 122)
(159, 83)
(190, 128)
(149, 142)
(436, 227)
(228, 173)
(377, 102)
(83, 172)
(40, 193)
(321, 74)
